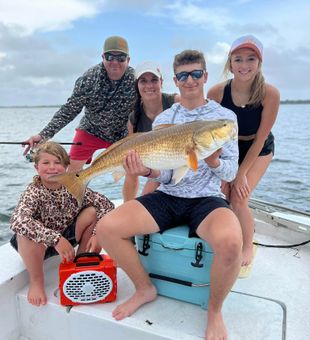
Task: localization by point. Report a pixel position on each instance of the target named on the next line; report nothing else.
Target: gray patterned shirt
(205, 181)
(107, 105)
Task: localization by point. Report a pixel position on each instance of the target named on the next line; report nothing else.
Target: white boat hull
(271, 304)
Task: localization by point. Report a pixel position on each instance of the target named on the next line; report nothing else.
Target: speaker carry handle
(92, 254)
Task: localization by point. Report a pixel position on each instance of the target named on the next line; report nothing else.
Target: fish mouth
(234, 132)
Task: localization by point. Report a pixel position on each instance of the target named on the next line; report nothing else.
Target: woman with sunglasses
(256, 105)
(149, 103)
(107, 93)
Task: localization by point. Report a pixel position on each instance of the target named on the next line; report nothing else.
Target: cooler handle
(93, 254)
(173, 246)
(178, 281)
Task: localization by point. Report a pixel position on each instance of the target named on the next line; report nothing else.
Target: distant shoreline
(287, 101)
(283, 102)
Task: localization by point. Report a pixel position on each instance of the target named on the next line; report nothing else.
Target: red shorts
(90, 144)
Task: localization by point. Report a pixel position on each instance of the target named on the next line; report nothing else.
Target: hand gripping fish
(177, 147)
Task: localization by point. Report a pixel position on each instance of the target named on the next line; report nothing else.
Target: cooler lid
(177, 238)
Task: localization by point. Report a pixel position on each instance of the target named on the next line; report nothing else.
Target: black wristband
(148, 174)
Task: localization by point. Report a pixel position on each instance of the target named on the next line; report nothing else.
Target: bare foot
(216, 329)
(140, 297)
(247, 255)
(36, 293)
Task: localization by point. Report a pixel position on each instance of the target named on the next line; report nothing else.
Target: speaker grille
(87, 286)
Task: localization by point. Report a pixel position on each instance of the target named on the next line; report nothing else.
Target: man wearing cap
(107, 93)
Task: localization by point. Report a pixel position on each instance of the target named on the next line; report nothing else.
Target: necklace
(238, 96)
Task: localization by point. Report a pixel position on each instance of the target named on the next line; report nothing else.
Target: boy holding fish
(190, 194)
(48, 219)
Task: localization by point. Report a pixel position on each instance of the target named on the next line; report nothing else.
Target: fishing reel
(29, 156)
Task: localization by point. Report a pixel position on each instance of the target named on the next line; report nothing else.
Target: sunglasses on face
(118, 57)
(195, 74)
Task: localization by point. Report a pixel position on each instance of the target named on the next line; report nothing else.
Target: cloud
(31, 68)
(148, 7)
(218, 54)
(42, 52)
(45, 15)
(287, 50)
(203, 16)
(288, 71)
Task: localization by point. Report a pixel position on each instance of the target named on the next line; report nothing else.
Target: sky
(46, 45)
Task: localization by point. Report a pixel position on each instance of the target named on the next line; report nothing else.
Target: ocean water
(286, 181)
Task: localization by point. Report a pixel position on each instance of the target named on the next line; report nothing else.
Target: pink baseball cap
(248, 41)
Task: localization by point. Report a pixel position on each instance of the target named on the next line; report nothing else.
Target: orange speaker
(89, 278)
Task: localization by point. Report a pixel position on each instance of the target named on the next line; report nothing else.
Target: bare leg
(33, 255)
(114, 232)
(242, 210)
(222, 231)
(76, 165)
(85, 224)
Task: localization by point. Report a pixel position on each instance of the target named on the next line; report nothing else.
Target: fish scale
(167, 147)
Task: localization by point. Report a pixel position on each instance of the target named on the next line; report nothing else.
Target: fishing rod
(29, 155)
(26, 143)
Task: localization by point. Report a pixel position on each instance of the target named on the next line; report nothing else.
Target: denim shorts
(170, 211)
(68, 234)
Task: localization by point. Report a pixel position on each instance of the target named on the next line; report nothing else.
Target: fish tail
(75, 184)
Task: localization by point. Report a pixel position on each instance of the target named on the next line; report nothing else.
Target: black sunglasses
(118, 57)
(195, 74)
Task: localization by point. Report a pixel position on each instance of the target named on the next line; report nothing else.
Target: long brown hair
(257, 91)
(137, 107)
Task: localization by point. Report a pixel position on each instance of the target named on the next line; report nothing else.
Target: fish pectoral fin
(163, 126)
(117, 175)
(192, 158)
(179, 173)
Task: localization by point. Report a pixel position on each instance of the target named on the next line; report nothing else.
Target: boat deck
(272, 303)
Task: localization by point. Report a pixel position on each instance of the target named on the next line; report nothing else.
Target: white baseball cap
(248, 41)
(147, 66)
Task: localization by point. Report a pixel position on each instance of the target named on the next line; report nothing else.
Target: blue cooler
(179, 266)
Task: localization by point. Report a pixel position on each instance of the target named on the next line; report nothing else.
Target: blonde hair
(54, 149)
(257, 91)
